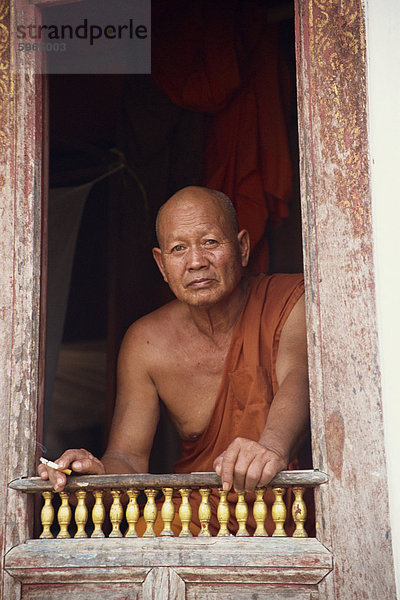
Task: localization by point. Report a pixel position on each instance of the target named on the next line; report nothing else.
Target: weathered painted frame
(346, 408)
(22, 223)
(348, 444)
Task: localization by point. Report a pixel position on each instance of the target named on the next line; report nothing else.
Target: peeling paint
(338, 48)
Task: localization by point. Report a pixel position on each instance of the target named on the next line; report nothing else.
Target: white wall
(383, 53)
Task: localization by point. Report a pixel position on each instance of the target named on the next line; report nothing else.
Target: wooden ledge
(31, 485)
(268, 560)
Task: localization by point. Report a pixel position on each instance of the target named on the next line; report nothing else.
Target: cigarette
(53, 465)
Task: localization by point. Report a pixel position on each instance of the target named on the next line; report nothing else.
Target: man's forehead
(202, 208)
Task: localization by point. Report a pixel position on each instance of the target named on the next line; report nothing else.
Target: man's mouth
(200, 282)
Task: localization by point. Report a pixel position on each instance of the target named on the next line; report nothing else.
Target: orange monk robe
(248, 384)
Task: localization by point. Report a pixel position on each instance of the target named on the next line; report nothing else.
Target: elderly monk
(227, 357)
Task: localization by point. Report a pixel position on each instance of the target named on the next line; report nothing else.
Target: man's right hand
(80, 461)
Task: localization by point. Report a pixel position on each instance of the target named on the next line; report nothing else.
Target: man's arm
(246, 464)
(137, 409)
(134, 422)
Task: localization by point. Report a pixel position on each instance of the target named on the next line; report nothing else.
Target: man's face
(201, 258)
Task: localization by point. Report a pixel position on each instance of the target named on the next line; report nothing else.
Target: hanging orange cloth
(248, 384)
(223, 59)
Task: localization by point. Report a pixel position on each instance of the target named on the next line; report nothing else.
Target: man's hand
(246, 464)
(81, 461)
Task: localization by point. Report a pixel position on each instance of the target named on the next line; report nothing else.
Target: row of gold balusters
(132, 513)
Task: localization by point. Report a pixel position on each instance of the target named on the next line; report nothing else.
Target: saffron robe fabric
(224, 60)
(247, 386)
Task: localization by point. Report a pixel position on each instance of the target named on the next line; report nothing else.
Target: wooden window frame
(346, 407)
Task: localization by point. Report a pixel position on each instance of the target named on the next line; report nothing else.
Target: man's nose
(197, 258)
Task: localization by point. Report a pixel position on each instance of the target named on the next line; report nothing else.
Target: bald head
(202, 255)
(200, 195)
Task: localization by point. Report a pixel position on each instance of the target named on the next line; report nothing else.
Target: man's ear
(244, 243)
(158, 258)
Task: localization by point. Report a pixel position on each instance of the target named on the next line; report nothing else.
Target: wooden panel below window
(160, 568)
(87, 591)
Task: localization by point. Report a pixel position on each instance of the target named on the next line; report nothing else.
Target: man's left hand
(246, 464)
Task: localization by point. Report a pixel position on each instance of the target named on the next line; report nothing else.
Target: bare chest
(187, 381)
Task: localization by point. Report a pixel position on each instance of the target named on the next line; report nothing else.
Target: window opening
(99, 123)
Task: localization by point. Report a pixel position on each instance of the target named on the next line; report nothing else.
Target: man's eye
(210, 242)
(177, 248)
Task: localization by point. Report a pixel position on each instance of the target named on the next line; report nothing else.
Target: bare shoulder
(292, 350)
(296, 322)
(147, 338)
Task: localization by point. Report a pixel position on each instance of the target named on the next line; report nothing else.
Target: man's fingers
(271, 468)
(228, 465)
(72, 455)
(79, 460)
(254, 473)
(246, 464)
(217, 464)
(57, 479)
(88, 465)
(43, 473)
(240, 471)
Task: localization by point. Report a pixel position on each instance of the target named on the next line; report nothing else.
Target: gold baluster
(47, 516)
(204, 512)
(185, 512)
(98, 514)
(260, 513)
(150, 513)
(116, 514)
(132, 513)
(64, 516)
(223, 513)
(81, 514)
(167, 512)
(241, 513)
(279, 512)
(299, 512)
